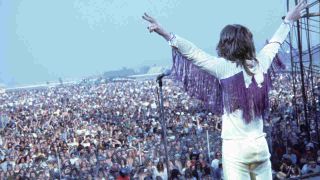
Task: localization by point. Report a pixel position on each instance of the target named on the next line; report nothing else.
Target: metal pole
(314, 104)
(294, 102)
(208, 143)
(305, 101)
(59, 164)
(163, 124)
(139, 153)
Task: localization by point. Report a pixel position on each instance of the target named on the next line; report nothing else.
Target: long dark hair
(160, 166)
(236, 44)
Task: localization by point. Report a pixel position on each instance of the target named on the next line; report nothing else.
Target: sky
(42, 40)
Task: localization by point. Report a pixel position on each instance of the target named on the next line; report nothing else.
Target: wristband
(275, 42)
(172, 37)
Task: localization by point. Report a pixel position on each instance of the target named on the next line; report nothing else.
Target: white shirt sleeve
(207, 62)
(269, 51)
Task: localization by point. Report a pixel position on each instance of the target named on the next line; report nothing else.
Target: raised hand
(295, 13)
(154, 26)
(153, 23)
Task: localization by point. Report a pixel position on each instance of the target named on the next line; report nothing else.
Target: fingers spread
(146, 14)
(151, 19)
(145, 18)
(305, 5)
(302, 4)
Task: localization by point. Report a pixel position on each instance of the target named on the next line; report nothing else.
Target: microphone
(165, 73)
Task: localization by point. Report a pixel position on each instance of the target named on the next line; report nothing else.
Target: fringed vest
(229, 94)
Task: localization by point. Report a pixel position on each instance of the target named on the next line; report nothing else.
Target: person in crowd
(159, 171)
(215, 162)
(310, 167)
(291, 156)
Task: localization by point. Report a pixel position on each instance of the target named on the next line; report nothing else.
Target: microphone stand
(163, 122)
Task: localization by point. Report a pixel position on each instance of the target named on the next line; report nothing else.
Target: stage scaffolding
(304, 44)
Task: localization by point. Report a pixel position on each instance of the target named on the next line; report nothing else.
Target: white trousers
(244, 159)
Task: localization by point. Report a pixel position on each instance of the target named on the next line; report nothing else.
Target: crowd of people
(295, 149)
(113, 131)
(103, 131)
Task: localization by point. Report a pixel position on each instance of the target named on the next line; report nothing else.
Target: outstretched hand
(296, 13)
(154, 26)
